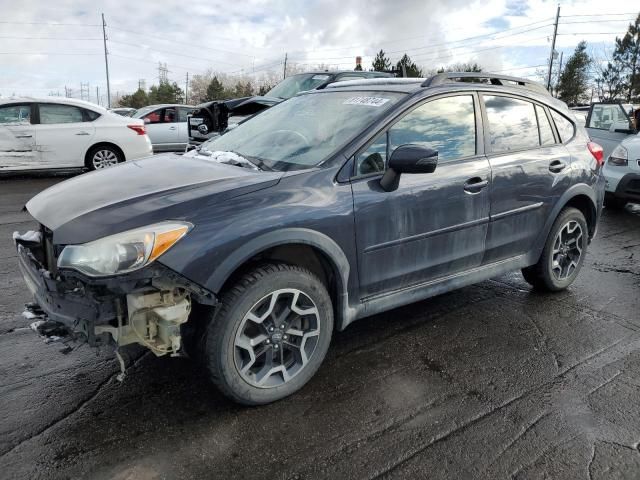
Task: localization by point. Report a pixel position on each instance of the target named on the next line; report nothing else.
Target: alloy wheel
(277, 338)
(567, 250)
(104, 159)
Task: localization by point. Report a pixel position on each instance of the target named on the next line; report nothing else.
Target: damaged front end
(148, 306)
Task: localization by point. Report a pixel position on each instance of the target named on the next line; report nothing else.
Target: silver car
(166, 126)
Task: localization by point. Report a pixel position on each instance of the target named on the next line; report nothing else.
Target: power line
(53, 24)
(48, 53)
(145, 35)
(173, 53)
(48, 38)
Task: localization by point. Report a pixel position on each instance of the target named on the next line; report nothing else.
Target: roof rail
(492, 78)
(375, 81)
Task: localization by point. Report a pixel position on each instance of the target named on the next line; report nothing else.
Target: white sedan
(63, 133)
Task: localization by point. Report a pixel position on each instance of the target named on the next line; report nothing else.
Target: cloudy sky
(47, 45)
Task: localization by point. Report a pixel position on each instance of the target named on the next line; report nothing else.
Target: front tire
(103, 156)
(563, 253)
(269, 334)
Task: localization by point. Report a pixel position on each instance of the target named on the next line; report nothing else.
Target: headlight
(123, 252)
(619, 157)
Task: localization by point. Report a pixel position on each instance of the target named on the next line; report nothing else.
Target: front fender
(289, 236)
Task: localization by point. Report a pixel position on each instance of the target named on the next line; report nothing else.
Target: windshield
(303, 131)
(295, 84)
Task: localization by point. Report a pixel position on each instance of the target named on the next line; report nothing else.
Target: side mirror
(408, 159)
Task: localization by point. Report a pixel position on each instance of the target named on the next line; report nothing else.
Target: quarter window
(512, 124)
(374, 158)
(15, 114)
(447, 125)
(546, 132)
(564, 126)
(51, 113)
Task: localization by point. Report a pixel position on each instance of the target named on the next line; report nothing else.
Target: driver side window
(446, 124)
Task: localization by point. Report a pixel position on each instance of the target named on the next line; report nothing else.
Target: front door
(530, 168)
(433, 225)
(63, 135)
(608, 124)
(17, 138)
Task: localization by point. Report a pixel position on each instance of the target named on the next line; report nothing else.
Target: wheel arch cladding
(297, 246)
(579, 196)
(105, 144)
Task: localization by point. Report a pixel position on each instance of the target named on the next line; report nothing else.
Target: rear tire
(612, 202)
(269, 334)
(103, 156)
(563, 253)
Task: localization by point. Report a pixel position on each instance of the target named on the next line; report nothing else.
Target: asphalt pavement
(491, 381)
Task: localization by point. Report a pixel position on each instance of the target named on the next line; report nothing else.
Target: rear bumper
(629, 187)
(139, 149)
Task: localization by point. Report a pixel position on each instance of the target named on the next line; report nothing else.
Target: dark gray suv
(329, 207)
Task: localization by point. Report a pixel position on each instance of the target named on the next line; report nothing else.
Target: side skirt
(415, 293)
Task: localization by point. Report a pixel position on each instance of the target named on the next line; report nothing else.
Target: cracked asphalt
(491, 381)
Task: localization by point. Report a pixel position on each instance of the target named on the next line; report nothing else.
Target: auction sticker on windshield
(368, 101)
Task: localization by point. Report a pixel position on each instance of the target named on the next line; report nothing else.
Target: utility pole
(186, 90)
(84, 91)
(553, 48)
(284, 72)
(106, 60)
(559, 72)
(97, 95)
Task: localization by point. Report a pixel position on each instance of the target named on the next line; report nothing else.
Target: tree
(610, 82)
(215, 90)
(137, 99)
(574, 80)
(166, 93)
(409, 68)
(627, 54)
(243, 89)
(461, 67)
(381, 63)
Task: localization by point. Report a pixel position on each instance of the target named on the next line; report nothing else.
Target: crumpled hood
(140, 192)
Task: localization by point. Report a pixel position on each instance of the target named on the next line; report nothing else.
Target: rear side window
(564, 126)
(90, 115)
(512, 124)
(183, 113)
(15, 114)
(51, 113)
(546, 132)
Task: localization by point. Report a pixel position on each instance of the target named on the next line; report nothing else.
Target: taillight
(597, 152)
(139, 129)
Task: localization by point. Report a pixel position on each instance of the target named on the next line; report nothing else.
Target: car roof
(454, 81)
(53, 99)
(164, 105)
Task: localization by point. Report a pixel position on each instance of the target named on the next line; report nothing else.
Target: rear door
(162, 128)
(530, 168)
(608, 124)
(433, 225)
(17, 137)
(63, 135)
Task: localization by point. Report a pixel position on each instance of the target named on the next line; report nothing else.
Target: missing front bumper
(147, 307)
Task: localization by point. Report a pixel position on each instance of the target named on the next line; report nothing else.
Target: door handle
(83, 133)
(172, 128)
(26, 135)
(475, 184)
(557, 166)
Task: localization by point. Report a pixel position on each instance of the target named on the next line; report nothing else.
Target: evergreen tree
(137, 99)
(381, 63)
(627, 55)
(461, 67)
(574, 80)
(166, 93)
(215, 90)
(408, 67)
